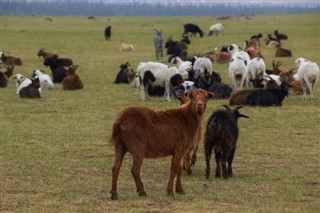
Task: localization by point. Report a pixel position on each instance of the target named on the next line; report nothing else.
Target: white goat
(308, 75)
(21, 82)
(126, 47)
(202, 67)
(235, 53)
(237, 69)
(183, 66)
(45, 80)
(158, 75)
(216, 29)
(256, 69)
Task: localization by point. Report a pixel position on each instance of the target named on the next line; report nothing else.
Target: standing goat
(146, 133)
(308, 74)
(159, 44)
(221, 135)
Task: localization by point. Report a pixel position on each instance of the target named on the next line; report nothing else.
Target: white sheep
(183, 66)
(308, 75)
(45, 80)
(202, 67)
(256, 69)
(155, 74)
(237, 69)
(216, 29)
(126, 47)
(21, 82)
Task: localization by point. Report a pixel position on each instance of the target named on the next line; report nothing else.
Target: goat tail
(116, 132)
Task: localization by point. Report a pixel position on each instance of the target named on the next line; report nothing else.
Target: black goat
(176, 48)
(221, 135)
(257, 37)
(269, 97)
(107, 33)
(58, 71)
(280, 36)
(193, 29)
(32, 90)
(122, 76)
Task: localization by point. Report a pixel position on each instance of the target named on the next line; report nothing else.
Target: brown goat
(281, 52)
(72, 81)
(295, 84)
(11, 60)
(45, 54)
(239, 97)
(146, 133)
(221, 57)
(254, 52)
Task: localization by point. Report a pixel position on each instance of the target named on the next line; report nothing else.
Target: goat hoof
(142, 194)
(170, 194)
(114, 196)
(180, 191)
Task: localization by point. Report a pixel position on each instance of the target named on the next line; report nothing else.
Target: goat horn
(238, 107)
(226, 106)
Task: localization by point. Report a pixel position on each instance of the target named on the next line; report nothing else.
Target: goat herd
(63, 71)
(146, 133)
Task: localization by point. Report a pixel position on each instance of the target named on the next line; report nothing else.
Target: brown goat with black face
(146, 133)
(72, 81)
(4, 76)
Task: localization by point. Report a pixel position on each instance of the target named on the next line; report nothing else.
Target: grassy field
(54, 151)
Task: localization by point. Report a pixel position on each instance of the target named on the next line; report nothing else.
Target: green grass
(54, 151)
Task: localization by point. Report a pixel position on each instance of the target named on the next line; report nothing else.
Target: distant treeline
(140, 9)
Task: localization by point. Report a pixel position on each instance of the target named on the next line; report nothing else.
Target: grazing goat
(193, 29)
(148, 134)
(216, 29)
(32, 90)
(159, 44)
(126, 47)
(107, 33)
(255, 69)
(221, 57)
(281, 52)
(45, 54)
(202, 67)
(72, 81)
(308, 75)
(280, 36)
(45, 80)
(58, 71)
(221, 135)
(256, 38)
(10, 60)
(269, 97)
